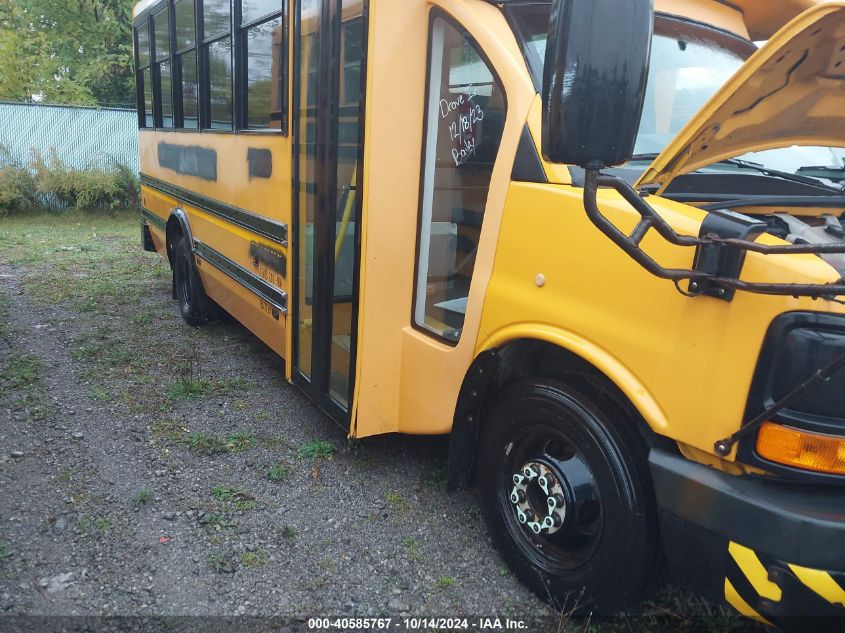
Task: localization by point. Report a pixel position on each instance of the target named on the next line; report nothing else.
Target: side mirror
(597, 58)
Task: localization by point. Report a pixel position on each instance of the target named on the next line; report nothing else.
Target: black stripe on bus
(275, 231)
(152, 218)
(250, 281)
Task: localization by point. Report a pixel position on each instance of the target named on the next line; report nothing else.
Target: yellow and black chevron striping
(769, 590)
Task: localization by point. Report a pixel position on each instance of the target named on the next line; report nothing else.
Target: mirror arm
(651, 219)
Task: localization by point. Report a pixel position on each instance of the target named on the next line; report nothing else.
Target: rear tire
(592, 544)
(194, 305)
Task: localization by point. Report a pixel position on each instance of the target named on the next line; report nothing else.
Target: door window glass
(465, 114)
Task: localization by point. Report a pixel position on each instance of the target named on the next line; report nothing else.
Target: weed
(143, 497)
(254, 559)
(5, 550)
(213, 521)
(240, 441)
(277, 473)
(205, 444)
(414, 549)
(318, 449)
(445, 582)
(102, 524)
(397, 502)
(238, 498)
(190, 389)
(222, 562)
(287, 531)
(171, 430)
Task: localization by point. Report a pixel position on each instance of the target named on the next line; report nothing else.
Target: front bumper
(773, 550)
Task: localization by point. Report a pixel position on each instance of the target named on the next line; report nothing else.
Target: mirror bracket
(718, 258)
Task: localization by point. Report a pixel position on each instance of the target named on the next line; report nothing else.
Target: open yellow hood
(791, 92)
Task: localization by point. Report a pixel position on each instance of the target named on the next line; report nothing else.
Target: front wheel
(567, 498)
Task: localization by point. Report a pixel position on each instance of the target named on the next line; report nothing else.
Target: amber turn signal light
(801, 449)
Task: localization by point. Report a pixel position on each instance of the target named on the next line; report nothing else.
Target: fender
(507, 354)
(595, 355)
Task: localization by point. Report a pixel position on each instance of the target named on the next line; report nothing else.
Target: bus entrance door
(331, 40)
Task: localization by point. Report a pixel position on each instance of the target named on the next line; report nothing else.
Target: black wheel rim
(573, 542)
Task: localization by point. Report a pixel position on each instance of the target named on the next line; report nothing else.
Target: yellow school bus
(598, 242)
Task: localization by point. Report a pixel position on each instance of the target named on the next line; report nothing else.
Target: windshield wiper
(747, 164)
(762, 169)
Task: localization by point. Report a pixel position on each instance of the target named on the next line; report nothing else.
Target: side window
(162, 73)
(143, 74)
(262, 46)
(465, 117)
(218, 56)
(185, 62)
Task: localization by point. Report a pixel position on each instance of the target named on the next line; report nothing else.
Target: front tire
(567, 498)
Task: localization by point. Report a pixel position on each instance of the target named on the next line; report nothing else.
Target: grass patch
(143, 498)
(21, 370)
(277, 473)
(222, 562)
(240, 441)
(254, 559)
(5, 550)
(170, 430)
(287, 532)
(397, 502)
(190, 389)
(444, 582)
(414, 549)
(236, 498)
(205, 443)
(318, 449)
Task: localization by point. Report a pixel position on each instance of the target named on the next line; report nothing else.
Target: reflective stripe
(736, 601)
(753, 569)
(820, 582)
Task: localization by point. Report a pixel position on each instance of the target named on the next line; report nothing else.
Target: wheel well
(492, 372)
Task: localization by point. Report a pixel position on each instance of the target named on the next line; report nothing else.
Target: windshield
(689, 63)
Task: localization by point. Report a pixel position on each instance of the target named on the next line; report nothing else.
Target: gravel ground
(152, 469)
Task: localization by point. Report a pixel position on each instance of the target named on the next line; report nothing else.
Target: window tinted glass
(352, 43)
(166, 94)
(190, 90)
(253, 9)
(185, 28)
(146, 77)
(220, 76)
(216, 17)
(162, 35)
(143, 45)
(264, 75)
(466, 116)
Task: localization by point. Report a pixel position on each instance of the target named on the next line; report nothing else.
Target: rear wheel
(194, 305)
(567, 498)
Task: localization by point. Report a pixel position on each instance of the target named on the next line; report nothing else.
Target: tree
(67, 51)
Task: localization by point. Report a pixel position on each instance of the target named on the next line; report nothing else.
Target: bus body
(362, 184)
